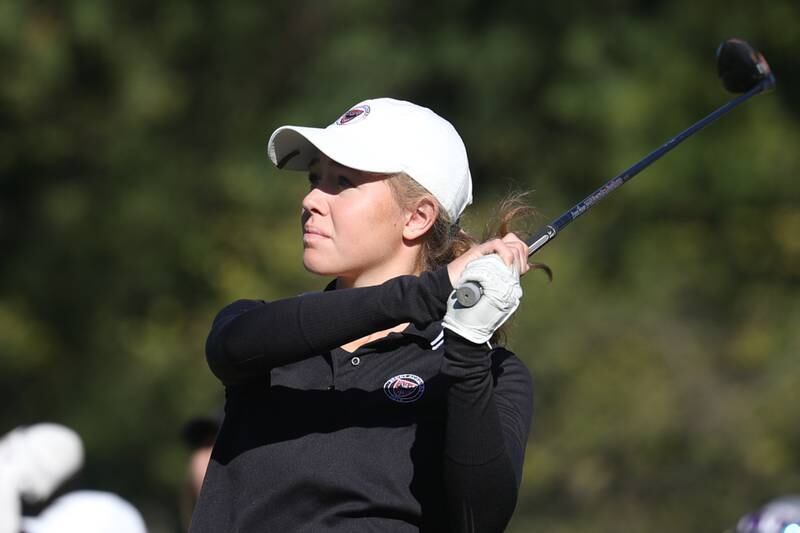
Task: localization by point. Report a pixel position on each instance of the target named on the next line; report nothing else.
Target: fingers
(520, 251)
(511, 249)
(501, 249)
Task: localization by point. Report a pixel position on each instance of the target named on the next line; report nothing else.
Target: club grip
(468, 294)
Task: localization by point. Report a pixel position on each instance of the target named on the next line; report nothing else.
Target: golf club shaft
(469, 293)
(548, 232)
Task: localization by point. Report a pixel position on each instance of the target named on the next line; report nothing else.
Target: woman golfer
(378, 404)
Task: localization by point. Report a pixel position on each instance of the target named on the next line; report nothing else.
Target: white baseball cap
(386, 136)
(39, 458)
(87, 511)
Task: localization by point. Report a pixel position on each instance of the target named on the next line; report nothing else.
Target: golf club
(742, 70)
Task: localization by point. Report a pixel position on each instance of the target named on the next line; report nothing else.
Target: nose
(315, 202)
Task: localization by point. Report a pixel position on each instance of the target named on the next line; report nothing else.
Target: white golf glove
(500, 298)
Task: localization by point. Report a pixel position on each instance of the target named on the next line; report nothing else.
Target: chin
(317, 266)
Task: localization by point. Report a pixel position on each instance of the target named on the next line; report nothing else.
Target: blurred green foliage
(136, 199)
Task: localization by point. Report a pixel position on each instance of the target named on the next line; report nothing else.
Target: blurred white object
(778, 516)
(34, 461)
(87, 511)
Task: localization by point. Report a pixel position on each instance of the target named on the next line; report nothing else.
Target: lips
(311, 232)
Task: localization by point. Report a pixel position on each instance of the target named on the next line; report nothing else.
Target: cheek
(381, 219)
(367, 233)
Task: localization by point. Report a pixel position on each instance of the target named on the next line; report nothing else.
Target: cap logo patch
(354, 115)
(405, 388)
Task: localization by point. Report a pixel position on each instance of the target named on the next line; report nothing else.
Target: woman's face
(352, 224)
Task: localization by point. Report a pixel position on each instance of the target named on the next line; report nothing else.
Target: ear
(420, 219)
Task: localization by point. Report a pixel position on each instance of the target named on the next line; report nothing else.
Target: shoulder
(505, 359)
(241, 305)
(509, 371)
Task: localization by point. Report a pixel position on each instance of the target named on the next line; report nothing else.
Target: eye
(313, 180)
(344, 183)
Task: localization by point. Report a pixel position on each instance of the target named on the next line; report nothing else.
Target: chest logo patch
(404, 388)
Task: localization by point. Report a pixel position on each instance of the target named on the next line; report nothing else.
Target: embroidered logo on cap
(354, 115)
(405, 388)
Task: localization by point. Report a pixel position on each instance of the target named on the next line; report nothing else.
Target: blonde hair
(446, 240)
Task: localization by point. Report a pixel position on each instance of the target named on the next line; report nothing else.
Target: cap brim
(290, 148)
(295, 147)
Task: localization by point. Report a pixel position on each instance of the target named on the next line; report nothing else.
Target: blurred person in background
(198, 435)
(34, 461)
(778, 516)
(378, 404)
(35, 464)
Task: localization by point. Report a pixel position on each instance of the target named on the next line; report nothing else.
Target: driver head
(741, 67)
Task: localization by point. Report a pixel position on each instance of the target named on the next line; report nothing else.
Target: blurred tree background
(136, 199)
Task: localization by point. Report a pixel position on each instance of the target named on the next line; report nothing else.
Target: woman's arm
(250, 337)
(489, 410)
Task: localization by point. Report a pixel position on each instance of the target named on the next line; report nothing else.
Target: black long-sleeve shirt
(417, 431)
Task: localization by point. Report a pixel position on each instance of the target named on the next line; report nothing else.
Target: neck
(352, 346)
(377, 275)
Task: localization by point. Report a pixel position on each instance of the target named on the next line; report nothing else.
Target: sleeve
(489, 411)
(250, 337)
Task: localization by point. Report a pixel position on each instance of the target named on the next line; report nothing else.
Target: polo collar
(433, 333)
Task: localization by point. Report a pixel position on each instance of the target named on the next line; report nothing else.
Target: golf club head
(741, 67)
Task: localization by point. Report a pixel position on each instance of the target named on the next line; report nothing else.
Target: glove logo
(404, 388)
(357, 113)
